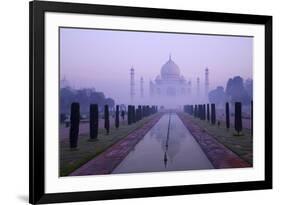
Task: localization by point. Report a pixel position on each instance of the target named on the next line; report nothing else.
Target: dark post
(106, 119)
(208, 112)
(133, 114)
(143, 111)
(195, 111)
(117, 116)
(252, 119)
(201, 112)
(129, 115)
(213, 113)
(204, 112)
(62, 117)
(140, 112)
(227, 115)
(74, 124)
(123, 114)
(94, 121)
(238, 117)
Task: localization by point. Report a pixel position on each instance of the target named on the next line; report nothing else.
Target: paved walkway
(218, 154)
(106, 162)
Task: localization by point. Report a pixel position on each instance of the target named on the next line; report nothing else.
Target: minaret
(141, 88)
(151, 90)
(206, 81)
(198, 87)
(132, 84)
(189, 87)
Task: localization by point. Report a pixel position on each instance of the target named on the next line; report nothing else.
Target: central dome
(170, 69)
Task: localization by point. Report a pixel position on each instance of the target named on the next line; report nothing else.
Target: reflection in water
(168, 146)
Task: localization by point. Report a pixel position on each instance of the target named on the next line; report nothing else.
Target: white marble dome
(170, 70)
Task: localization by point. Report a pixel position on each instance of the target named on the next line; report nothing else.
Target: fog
(102, 59)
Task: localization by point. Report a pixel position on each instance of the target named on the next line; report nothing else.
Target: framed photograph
(141, 102)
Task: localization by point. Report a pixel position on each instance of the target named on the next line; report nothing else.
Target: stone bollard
(74, 125)
(238, 117)
(213, 113)
(227, 115)
(106, 119)
(94, 121)
(117, 117)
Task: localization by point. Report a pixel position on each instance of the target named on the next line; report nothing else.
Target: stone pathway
(106, 162)
(218, 154)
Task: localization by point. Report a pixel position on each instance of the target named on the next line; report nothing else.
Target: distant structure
(170, 82)
(198, 87)
(64, 83)
(189, 88)
(132, 84)
(141, 88)
(169, 86)
(206, 82)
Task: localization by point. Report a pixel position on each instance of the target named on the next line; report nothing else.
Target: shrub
(74, 124)
(94, 121)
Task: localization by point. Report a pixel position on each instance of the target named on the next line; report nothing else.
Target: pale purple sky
(102, 58)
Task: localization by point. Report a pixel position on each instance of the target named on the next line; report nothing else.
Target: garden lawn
(87, 150)
(241, 145)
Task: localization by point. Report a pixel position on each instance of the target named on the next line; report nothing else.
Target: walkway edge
(219, 155)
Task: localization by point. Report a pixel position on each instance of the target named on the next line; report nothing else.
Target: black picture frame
(37, 194)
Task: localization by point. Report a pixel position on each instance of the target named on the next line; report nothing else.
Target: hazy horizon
(101, 59)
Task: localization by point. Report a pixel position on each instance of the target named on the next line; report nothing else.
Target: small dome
(170, 70)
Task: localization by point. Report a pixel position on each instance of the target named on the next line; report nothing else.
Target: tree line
(84, 97)
(237, 90)
(208, 112)
(134, 114)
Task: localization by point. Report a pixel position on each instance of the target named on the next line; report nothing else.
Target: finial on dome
(170, 57)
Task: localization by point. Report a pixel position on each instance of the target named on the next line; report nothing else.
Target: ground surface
(166, 146)
(240, 145)
(71, 160)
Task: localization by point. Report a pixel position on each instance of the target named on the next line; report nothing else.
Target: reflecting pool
(168, 146)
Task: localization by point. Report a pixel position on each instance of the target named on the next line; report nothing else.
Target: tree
(236, 91)
(106, 119)
(123, 114)
(252, 118)
(117, 116)
(217, 96)
(227, 115)
(140, 112)
(63, 117)
(208, 112)
(213, 113)
(67, 96)
(204, 112)
(110, 102)
(249, 87)
(201, 112)
(129, 115)
(238, 117)
(133, 114)
(94, 121)
(74, 124)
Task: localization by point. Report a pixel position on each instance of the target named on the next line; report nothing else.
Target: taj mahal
(169, 86)
(170, 82)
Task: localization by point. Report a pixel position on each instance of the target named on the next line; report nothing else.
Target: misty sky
(102, 58)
